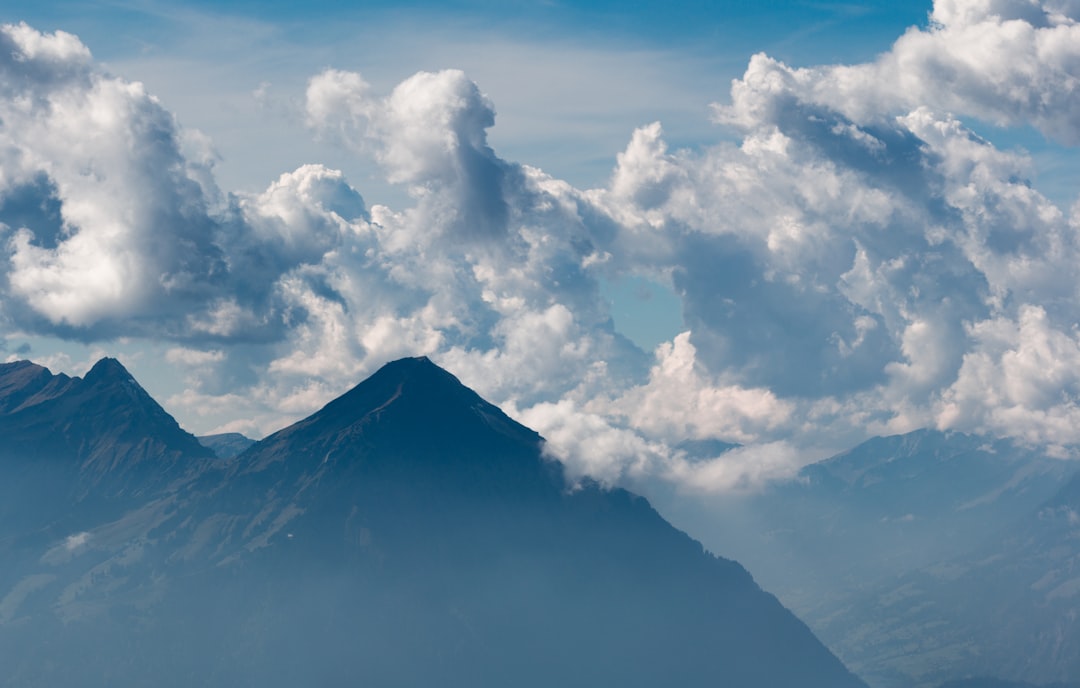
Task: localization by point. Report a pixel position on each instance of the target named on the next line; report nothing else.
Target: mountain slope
(73, 445)
(888, 506)
(1006, 608)
(406, 534)
(865, 546)
(103, 422)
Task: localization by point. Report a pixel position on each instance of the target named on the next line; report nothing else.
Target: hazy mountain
(1006, 608)
(226, 445)
(836, 543)
(406, 534)
(998, 683)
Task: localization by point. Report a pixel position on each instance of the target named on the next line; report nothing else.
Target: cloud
(858, 261)
(126, 234)
(429, 133)
(680, 402)
(1020, 378)
(76, 541)
(738, 469)
(111, 229)
(1010, 62)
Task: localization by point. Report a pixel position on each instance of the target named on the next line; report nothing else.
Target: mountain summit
(72, 441)
(102, 422)
(416, 391)
(408, 533)
(416, 421)
(106, 371)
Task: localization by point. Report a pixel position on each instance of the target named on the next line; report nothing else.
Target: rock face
(406, 534)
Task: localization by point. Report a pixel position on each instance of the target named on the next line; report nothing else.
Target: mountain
(888, 506)
(226, 445)
(408, 534)
(74, 445)
(846, 539)
(1007, 607)
(998, 683)
(104, 422)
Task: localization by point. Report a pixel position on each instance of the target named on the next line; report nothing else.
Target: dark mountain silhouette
(407, 534)
(74, 446)
(105, 423)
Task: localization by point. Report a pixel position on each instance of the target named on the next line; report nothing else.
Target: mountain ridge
(92, 445)
(887, 549)
(416, 518)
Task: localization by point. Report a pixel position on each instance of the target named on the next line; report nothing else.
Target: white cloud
(738, 469)
(429, 133)
(131, 237)
(1021, 378)
(590, 444)
(859, 261)
(76, 541)
(680, 402)
(1011, 62)
(193, 357)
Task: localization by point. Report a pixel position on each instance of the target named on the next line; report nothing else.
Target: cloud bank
(860, 261)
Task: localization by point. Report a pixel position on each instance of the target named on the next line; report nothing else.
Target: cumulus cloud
(133, 234)
(1020, 378)
(858, 261)
(111, 229)
(1011, 62)
(681, 402)
(429, 133)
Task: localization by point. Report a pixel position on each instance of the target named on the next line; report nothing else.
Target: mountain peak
(21, 380)
(416, 379)
(429, 391)
(107, 370)
(412, 404)
(102, 433)
(414, 367)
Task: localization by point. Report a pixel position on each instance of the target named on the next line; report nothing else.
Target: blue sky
(197, 55)
(785, 225)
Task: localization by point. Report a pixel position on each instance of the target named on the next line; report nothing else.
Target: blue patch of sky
(644, 311)
(799, 31)
(205, 69)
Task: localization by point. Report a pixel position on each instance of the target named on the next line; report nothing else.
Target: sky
(650, 232)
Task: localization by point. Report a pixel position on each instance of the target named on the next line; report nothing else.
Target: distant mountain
(407, 534)
(835, 543)
(1008, 607)
(226, 445)
(890, 505)
(998, 683)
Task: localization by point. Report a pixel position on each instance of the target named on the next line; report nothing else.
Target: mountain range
(407, 534)
(924, 557)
